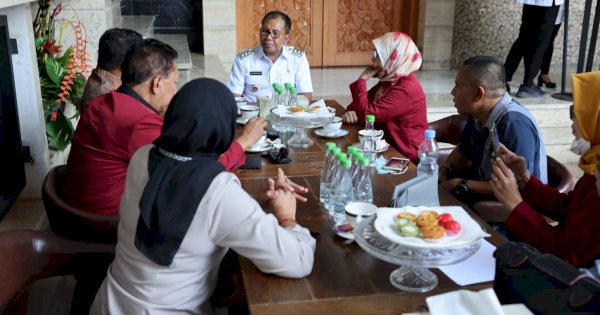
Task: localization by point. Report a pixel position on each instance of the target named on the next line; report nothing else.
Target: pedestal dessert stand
(412, 275)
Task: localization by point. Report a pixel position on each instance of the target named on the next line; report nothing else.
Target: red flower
(51, 48)
(53, 116)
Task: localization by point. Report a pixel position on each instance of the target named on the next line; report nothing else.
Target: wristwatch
(462, 188)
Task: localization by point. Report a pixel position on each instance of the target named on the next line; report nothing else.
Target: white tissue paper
(464, 302)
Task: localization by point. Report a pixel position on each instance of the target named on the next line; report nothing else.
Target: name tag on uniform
(255, 72)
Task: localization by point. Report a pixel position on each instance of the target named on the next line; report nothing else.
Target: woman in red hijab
(397, 100)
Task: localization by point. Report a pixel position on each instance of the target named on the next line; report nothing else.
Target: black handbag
(545, 283)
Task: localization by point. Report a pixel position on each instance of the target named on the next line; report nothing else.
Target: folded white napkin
(464, 302)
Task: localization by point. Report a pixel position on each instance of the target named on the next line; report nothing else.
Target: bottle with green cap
(335, 178)
(343, 192)
(327, 171)
(369, 138)
(363, 191)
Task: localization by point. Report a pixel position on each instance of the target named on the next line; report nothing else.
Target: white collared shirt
(253, 73)
(542, 3)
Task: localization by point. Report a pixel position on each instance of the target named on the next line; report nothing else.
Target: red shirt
(576, 238)
(111, 129)
(401, 112)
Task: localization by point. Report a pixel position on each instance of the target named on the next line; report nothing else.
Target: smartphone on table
(396, 164)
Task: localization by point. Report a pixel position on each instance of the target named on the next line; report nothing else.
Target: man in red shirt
(115, 125)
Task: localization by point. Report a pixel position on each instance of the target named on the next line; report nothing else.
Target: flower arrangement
(63, 72)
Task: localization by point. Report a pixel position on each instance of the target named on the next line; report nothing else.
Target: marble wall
(171, 17)
(437, 21)
(489, 27)
(218, 18)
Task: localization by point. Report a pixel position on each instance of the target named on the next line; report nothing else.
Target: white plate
(342, 234)
(470, 230)
(332, 135)
(241, 121)
(266, 147)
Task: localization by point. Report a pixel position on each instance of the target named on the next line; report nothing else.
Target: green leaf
(38, 43)
(55, 70)
(66, 56)
(59, 132)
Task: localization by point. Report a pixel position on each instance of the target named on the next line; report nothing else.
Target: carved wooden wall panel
(331, 32)
(359, 21)
(299, 12)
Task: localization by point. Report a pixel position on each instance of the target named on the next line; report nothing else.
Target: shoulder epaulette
(246, 52)
(296, 51)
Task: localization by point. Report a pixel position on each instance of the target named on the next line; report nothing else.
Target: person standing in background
(537, 24)
(543, 78)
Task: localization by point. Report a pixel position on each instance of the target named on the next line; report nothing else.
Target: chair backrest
(72, 223)
(448, 130)
(559, 176)
(30, 255)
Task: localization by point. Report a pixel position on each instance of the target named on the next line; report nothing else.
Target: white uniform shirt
(253, 73)
(541, 3)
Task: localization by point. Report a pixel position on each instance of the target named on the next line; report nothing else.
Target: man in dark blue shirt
(480, 93)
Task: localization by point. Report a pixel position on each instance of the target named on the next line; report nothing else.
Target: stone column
(218, 18)
(438, 27)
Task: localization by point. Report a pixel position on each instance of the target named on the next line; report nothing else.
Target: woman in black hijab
(181, 211)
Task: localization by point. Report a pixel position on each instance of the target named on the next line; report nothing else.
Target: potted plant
(63, 72)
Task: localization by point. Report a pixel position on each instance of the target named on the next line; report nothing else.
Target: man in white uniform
(256, 69)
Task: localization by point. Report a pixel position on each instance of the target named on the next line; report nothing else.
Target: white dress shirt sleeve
(303, 81)
(237, 77)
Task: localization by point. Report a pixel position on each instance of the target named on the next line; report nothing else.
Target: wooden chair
(30, 255)
(449, 129)
(72, 223)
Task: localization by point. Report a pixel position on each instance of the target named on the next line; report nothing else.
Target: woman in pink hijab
(397, 101)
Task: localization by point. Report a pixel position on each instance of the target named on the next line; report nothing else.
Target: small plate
(264, 148)
(337, 134)
(241, 121)
(340, 230)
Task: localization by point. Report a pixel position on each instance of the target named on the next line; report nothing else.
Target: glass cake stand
(300, 138)
(412, 275)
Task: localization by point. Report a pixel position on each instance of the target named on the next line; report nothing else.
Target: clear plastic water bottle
(370, 141)
(363, 191)
(356, 156)
(326, 171)
(275, 94)
(428, 155)
(293, 98)
(334, 179)
(343, 192)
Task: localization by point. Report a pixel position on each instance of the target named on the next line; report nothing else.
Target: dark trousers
(537, 24)
(545, 68)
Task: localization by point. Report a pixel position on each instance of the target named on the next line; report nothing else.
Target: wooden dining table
(345, 279)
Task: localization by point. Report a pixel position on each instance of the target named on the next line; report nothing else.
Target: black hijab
(198, 127)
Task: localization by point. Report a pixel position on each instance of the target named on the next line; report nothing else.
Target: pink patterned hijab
(399, 55)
